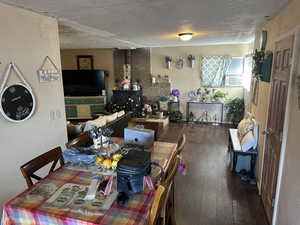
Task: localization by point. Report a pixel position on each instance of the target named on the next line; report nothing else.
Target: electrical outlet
(52, 115)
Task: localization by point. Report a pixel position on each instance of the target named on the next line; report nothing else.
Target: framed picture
(85, 62)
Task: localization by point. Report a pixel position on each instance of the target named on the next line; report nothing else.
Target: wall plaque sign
(47, 75)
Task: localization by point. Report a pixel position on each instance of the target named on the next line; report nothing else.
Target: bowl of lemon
(109, 163)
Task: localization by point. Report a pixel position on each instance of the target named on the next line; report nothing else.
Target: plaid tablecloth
(31, 211)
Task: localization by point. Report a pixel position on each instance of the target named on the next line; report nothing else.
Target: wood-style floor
(210, 194)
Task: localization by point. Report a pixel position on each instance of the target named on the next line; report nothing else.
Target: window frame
(237, 75)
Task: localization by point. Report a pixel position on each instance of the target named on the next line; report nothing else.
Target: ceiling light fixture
(185, 36)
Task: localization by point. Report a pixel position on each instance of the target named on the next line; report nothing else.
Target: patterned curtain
(214, 70)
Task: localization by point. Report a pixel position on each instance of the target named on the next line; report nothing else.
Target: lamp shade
(185, 36)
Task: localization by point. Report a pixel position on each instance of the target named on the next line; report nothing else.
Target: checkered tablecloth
(31, 211)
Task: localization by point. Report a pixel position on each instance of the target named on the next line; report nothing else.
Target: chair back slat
(181, 144)
(35, 177)
(170, 177)
(178, 151)
(29, 168)
(157, 205)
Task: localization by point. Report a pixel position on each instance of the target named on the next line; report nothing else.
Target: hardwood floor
(210, 194)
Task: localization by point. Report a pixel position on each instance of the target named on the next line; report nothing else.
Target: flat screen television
(84, 82)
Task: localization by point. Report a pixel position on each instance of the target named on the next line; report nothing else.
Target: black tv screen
(84, 82)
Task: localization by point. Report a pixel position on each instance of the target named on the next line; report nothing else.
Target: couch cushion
(99, 122)
(111, 117)
(248, 142)
(121, 113)
(244, 127)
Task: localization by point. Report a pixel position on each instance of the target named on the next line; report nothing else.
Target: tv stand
(84, 107)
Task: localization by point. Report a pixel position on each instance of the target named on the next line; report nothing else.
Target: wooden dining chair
(167, 212)
(178, 151)
(155, 211)
(29, 168)
(80, 141)
(181, 144)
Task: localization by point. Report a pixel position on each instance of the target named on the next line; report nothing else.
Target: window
(226, 71)
(234, 74)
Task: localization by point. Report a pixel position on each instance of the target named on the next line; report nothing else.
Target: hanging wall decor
(168, 60)
(85, 62)
(46, 75)
(191, 59)
(17, 100)
(179, 64)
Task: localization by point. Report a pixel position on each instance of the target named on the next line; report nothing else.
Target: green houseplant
(175, 116)
(236, 110)
(219, 95)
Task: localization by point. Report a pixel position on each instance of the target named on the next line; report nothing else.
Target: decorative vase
(175, 99)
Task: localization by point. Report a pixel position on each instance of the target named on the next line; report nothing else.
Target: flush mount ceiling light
(185, 36)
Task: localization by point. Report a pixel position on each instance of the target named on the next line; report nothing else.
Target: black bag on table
(131, 170)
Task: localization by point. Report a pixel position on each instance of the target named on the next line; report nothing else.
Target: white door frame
(293, 75)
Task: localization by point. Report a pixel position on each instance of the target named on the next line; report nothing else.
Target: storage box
(139, 136)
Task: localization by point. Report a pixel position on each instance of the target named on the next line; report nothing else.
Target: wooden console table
(150, 123)
(205, 117)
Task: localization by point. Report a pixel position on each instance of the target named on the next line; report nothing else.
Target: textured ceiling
(153, 23)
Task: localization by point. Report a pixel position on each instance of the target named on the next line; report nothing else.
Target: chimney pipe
(127, 56)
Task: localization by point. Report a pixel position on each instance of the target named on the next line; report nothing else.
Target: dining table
(52, 200)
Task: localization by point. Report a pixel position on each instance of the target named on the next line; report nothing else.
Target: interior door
(279, 90)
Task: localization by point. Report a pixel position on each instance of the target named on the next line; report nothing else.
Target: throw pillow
(111, 117)
(91, 124)
(244, 127)
(121, 113)
(248, 142)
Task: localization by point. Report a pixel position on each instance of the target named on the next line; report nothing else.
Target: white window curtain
(214, 69)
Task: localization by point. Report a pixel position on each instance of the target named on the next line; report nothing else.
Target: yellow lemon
(99, 159)
(117, 157)
(114, 165)
(106, 163)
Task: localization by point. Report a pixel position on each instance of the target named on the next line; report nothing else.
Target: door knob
(267, 132)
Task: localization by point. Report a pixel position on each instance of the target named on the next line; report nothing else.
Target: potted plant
(236, 110)
(219, 96)
(175, 93)
(175, 116)
(147, 110)
(163, 103)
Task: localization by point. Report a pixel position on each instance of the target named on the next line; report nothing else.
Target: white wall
(26, 39)
(188, 79)
(289, 201)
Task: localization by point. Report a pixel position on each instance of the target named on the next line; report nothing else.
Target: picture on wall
(85, 62)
